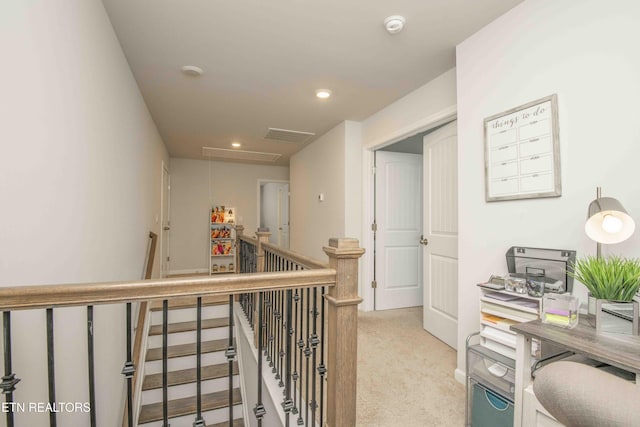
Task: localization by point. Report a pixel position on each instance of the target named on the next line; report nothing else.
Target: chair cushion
(584, 396)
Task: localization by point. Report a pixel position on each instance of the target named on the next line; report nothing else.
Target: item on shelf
(214, 268)
(223, 268)
(222, 215)
(221, 247)
(220, 233)
(231, 267)
(515, 284)
(557, 264)
(535, 280)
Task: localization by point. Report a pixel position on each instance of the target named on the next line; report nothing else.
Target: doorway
(165, 222)
(273, 207)
(398, 224)
(415, 253)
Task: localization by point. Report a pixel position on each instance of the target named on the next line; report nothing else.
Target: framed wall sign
(522, 152)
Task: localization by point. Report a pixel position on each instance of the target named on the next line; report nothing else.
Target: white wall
(80, 174)
(330, 166)
(585, 51)
(420, 108)
(196, 186)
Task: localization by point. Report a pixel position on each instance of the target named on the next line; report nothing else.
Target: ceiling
(264, 59)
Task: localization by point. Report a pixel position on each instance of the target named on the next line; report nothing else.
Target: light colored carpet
(405, 375)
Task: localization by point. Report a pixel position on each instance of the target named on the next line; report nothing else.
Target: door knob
(424, 240)
(167, 228)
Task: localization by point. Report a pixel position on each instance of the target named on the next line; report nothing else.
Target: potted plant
(611, 281)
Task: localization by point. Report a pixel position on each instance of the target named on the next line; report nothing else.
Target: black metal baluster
(307, 354)
(259, 410)
(322, 369)
(272, 327)
(91, 363)
(288, 404)
(285, 337)
(295, 375)
(165, 345)
(301, 351)
(314, 347)
(9, 379)
(231, 354)
(268, 319)
(276, 333)
(129, 369)
(51, 366)
(278, 346)
(199, 422)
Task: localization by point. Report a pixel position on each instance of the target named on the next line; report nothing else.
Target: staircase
(181, 364)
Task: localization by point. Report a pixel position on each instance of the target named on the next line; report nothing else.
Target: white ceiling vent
(223, 153)
(291, 136)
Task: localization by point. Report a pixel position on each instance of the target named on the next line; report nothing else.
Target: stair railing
(307, 335)
(331, 287)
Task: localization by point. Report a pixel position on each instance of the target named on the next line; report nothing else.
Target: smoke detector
(394, 23)
(192, 70)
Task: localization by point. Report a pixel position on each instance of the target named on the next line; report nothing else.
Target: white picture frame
(522, 152)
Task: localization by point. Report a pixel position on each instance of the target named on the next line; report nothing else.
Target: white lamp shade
(608, 222)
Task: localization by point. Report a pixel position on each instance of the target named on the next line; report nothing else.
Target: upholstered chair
(579, 395)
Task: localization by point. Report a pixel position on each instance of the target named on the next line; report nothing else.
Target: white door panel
(399, 221)
(441, 230)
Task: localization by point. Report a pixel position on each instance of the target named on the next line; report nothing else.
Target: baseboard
(190, 271)
(460, 376)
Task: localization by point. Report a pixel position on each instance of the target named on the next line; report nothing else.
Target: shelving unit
(222, 242)
(491, 363)
(494, 367)
(499, 309)
(490, 387)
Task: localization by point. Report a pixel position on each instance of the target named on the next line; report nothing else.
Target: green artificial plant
(613, 278)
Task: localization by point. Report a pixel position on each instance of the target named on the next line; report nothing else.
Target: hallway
(405, 375)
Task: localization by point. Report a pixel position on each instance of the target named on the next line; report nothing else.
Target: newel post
(239, 255)
(342, 339)
(263, 235)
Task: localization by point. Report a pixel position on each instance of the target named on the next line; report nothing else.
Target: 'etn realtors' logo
(38, 407)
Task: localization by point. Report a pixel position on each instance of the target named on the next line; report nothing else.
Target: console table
(621, 351)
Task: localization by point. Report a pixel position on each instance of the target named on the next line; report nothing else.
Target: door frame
(368, 192)
(164, 167)
(266, 181)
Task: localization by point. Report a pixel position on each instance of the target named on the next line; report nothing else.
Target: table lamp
(607, 222)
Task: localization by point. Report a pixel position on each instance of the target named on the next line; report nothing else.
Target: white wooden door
(283, 216)
(441, 230)
(399, 227)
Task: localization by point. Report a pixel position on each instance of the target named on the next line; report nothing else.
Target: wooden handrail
(251, 240)
(304, 261)
(46, 296)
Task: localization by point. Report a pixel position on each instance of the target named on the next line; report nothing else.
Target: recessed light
(192, 70)
(394, 23)
(236, 145)
(323, 93)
